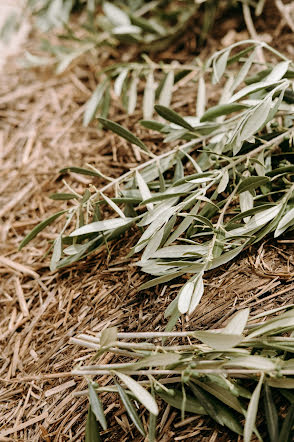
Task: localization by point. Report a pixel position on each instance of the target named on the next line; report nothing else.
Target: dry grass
(41, 132)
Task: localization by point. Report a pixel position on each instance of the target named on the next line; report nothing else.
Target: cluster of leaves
(234, 372)
(240, 190)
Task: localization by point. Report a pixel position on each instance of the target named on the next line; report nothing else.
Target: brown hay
(41, 132)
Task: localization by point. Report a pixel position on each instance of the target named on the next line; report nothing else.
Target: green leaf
(144, 189)
(63, 196)
(252, 183)
(287, 427)
(39, 228)
(122, 132)
(81, 171)
(102, 226)
(113, 205)
(140, 393)
(92, 428)
(221, 109)
(286, 222)
(205, 401)
(172, 116)
(271, 414)
(131, 410)
(93, 103)
(237, 322)
(244, 71)
(192, 404)
(96, 406)
(278, 71)
(219, 341)
(222, 394)
(219, 66)
(185, 296)
(57, 251)
(223, 182)
(252, 411)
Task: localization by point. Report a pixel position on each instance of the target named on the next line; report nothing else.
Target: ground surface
(41, 132)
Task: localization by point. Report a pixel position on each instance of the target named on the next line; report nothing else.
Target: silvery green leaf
(122, 132)
(172, 116)
(244, 70)
(144, 189)
(153, 245)
(113, 205)
(252, 411)
(183, 226)
(278, 72)
(102, 226)
(201, 97)
(219, 66)
(140, 393)
(197, 293)
(132, 94)
(159, 360)
(166, 91)
(222, 394)
(41, 226)
(258, 220)
(108, 336)
(281, 322)
(96, 406)
(115, 15)
(149, 97)
(238, 322)
(131, 410)
(185, 296)
(225, 257)
(256, 119)
(73, 249)
(259, 165)
(252, 88)
(93, 103)
(271, 414)
(126, 29)
(223, 182)
(286, 221)
(178, 251)
(246, 203)
(119, 81)
(221, 109)
(92, 428)
(254, 362)
(219, 341)
(57, 251)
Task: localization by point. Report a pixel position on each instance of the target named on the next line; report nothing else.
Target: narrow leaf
(39, 228)
(96, 406)
(122, 132)
(252, 411)
(149, 97)
(140, 393)
(131, 410)
(92, 428)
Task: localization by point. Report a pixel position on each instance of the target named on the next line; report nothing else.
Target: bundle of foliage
(234, 373)
(241, 188)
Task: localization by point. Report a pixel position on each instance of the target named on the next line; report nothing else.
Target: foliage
(203, 202)
(147, 26)
(232, 374)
